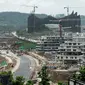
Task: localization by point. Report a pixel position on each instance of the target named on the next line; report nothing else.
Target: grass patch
(27, 45)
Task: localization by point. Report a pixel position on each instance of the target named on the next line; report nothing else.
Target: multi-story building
(72, 22)
(70, 52)
(78, 37)
(49, 43)
(73, 50)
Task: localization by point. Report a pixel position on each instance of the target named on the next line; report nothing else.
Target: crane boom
(34, 7)
(67, 10)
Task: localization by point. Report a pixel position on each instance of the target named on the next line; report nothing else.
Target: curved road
(25, 68)
(23, 38)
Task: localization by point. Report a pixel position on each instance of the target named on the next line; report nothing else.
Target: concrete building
(72, 22)
(72, 51)
(49, 43)
(68, 50)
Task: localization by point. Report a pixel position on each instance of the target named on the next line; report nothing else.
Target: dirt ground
(60, 75)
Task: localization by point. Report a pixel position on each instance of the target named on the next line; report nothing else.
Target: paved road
(24, 69)
(24, 38)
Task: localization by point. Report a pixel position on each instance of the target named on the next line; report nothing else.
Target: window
(61, 57)
(70, 43)
(42, 39)
(68, 46)
(74, 43)
(68, 49)
(45, 42)
(58, 57)
(78, 43)
(62, 49)
(58, 53)
(79, 46)
(84, 57)
(66, 57)
(45, 45)
(74, 46)
(75, 57)
(74, 49)
(71, 57)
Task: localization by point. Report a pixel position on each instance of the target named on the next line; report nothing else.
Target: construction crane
(67, 10)
(34, 7)
(33, 12)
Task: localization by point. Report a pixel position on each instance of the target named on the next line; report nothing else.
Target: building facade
(49, 43)
(71, 23)
(72, 51)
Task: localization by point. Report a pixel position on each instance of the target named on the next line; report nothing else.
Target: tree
(11, 76)
(44, 76)
(0, 83)
(82, 73)
(60, 83)
(29, 82)
(19, 80)
(6, 78)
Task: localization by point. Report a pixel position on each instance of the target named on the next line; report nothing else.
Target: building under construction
(71, 23)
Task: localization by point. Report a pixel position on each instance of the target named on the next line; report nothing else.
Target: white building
(69, 50)
(49, 43)
(72, 51)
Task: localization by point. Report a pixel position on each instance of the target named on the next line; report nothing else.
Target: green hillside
(14, 20)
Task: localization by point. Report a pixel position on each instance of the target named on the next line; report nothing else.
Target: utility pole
(67, 10)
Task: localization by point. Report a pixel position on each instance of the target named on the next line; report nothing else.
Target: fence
(75, 82)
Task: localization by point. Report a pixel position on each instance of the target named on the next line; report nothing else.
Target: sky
(51, 7)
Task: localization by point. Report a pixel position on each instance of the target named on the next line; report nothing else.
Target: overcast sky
(44, 6)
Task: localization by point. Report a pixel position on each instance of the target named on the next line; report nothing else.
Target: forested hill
(17, 20)
(14, 20)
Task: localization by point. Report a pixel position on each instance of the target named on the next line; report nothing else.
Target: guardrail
(75, 82)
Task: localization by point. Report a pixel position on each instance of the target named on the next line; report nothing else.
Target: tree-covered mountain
(15, 20)
(72, 22)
